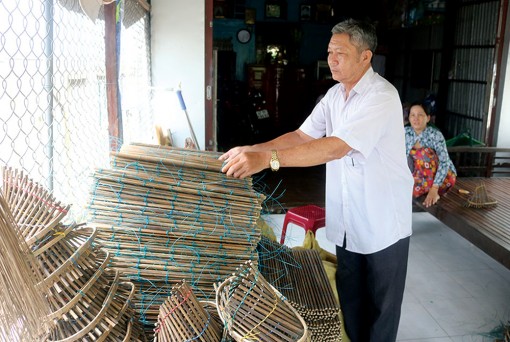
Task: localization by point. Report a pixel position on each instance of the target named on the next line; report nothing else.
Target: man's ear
(367, 55)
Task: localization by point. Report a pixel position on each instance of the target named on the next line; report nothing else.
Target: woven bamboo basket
(65, 293)
(183, 318)
(104, 313)
(37, 212)
(66, 254)
(212, 309)
(253, 310)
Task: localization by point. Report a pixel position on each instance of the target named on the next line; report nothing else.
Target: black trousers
(371, 289)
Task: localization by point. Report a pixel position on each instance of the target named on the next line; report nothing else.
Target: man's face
(346, 62)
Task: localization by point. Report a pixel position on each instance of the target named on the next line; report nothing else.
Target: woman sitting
(433, 171)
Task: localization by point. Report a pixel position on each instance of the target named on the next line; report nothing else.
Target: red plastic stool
(310, 217)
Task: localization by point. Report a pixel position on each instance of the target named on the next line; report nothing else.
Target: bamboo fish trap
(85, 300)
(183, 318)
(300, 276)
(253, 310)
(481, 199)
(35, 210)
(23, 308)
(168, 214)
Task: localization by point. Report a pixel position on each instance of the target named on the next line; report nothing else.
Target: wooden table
(486, 228)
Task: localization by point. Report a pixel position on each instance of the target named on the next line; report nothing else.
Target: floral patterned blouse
(433, 138)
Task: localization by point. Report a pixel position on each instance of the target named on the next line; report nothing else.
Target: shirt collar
(362, 84)
(365, 81)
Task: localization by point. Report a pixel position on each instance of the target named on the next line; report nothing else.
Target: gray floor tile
(461, 316)
(417, 323)
(432, 339)
(435, 286)
(420, 262)
(457, 259)
(483, 283)
(473, 338)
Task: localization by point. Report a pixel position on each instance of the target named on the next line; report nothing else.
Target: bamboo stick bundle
(185, 228)
(126, 212)
(163, 163)
(23, 308)
(306, 286)
(36, 211)
(175, 156)
(167, 214)
(252, 309)
(140, 196)
(130, 163)
(183, 318)
(314, 281)
(163, 182)
(276, 263)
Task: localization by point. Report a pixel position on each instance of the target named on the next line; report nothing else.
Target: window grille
(53, 116)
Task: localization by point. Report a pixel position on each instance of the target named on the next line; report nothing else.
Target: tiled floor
(454, 291)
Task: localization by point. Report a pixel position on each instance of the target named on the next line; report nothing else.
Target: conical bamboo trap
(182, 317)
(86, 301)
(35, 210)
(23, 309)
(168, 214)
(480, 198)
(300, 276)
(253, 310)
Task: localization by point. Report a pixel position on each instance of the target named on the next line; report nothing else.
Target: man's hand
(241, 164)
(234, 152)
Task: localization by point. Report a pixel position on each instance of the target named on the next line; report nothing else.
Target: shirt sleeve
(439, 145)
(362, 130)
(315, 123)
(410, 138)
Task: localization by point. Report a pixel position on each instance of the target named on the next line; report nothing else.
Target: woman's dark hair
(427, 108)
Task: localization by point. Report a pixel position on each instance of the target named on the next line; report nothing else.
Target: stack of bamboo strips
(168, 214)
(300, 276)
(253, 310)
(85, 300)
(183, 318)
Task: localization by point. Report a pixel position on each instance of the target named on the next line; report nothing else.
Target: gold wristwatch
(274, 162)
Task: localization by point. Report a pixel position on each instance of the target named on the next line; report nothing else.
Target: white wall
(178, 56)
(504, 121)
(503, 106)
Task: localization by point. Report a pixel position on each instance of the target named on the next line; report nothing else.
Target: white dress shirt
(369, 191)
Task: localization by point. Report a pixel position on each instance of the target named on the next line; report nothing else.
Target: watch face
(275, 165)
(273, 11)
(243, 36)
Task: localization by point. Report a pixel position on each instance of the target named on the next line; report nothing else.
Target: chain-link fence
(53, 116)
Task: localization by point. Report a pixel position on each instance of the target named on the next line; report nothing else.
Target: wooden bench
(486, 228)
(480, 161)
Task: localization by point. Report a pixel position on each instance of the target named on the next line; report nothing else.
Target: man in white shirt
(356, 129)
